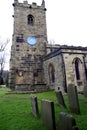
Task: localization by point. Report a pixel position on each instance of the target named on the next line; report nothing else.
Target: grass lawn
(16, 112)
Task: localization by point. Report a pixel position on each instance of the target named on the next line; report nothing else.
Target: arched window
(30, 19)
(77, 69)
(51, 73)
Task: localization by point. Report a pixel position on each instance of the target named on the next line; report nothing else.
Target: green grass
(16, 111)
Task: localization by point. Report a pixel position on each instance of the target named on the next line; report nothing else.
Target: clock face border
(31, 40)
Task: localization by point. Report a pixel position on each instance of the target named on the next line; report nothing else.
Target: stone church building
(37, 65)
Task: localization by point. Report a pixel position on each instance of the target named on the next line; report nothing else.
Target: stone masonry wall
(59, 73)
(70, 68)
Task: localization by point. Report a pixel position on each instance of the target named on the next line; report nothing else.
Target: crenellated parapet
(27, 5)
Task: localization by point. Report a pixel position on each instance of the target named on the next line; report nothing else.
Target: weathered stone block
(73, 99)
(34, 104)
(60, 98)
(62, 121)
(48, 114)
(67, 122)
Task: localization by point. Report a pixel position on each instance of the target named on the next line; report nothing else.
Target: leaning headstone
(73, 99)
(48, 114)
(60, 98)
(67, 122)
(34, 104)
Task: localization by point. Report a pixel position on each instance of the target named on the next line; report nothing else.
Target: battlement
(26, 4)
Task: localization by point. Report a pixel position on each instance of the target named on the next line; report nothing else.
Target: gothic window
(30, 19)
(78, 68)
(51, 73)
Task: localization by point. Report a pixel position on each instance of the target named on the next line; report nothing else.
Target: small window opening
(77, 69)
(30, 20)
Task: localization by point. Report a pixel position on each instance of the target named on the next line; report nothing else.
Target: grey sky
(66, 20)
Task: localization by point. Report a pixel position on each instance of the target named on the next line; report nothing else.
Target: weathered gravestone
(67, 122)
(60, 98)
(85, 90)
(73, 99)
(48, 114)
(34, 104)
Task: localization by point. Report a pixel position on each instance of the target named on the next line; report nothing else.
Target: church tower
(28, 45)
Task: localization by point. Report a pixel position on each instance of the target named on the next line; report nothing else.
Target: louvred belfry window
(30, 19)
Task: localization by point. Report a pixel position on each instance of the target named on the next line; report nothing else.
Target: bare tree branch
(3, 45)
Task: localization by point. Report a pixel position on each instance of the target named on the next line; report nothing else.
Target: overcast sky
(66, 20)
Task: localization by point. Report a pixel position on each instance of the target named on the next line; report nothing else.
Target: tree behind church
(3, 55)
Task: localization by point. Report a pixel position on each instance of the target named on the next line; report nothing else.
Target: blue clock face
(31, 40)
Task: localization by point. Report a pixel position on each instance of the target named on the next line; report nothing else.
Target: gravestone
(67, 122)
(48, 114)
(34, 104)
(85, 90)
(73, 99)
(60, 98)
